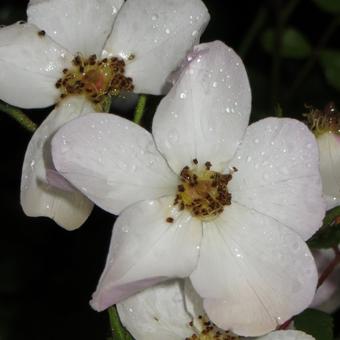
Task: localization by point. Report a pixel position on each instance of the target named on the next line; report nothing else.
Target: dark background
(47, 274)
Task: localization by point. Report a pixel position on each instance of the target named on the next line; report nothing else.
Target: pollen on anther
(41, 33)
(195, 161)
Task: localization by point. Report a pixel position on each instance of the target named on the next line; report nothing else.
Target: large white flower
(81, 51)
(173, 311)
(205, 197)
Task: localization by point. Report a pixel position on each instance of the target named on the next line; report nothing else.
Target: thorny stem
(323, 277)
(252, 32)
(331, 266)
(19, 116)
(314, 57)
(140, 108)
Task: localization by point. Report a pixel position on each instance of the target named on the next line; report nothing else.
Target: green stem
(118, 332)
(308, 66)
(140, 108)
(19, 116)
(253, 31)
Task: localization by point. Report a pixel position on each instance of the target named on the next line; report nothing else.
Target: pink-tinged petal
(112, 161)
(278, 174)
(327, 297)
(287, 335)
(30, 63)
(158, 34)
(146, 249)
(78, 25)
(54, 179)
(329, 146)
(158, 312)
(206, 113)
(68, 208)
(253, 272)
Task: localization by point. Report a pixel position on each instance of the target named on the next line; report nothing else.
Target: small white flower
(204, 197)
(173, 311)
(326, 126)
(87, 48)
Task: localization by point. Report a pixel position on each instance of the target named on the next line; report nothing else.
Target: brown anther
(195, 161)
(208, 165)
(170, 220)
(41, 33)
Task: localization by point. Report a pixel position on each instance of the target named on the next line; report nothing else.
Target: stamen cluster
(211, 332)
(94, 78)
(202, 191)
(326, 120)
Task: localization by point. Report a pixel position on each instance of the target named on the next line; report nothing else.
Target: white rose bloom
(173, 311)
(326, 126)
(80, 51)
(204, 197)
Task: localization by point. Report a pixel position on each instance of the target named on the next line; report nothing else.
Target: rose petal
(206, 112)
(112, 161)
(278, 175)
(158, 312)
(287, 335)
(78, 25)
(253, 272)
(146, 249)
(158, 34)
(68, 208)
(329, 145)
(30, 66)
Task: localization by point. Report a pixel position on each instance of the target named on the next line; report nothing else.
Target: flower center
(326, 120)
(96, 79)
(202, 191)
(210, 332)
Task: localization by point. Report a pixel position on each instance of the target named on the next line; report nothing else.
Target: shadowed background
(47, 275)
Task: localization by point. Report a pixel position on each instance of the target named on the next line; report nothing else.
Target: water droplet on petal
(182, 95)
(173, 137)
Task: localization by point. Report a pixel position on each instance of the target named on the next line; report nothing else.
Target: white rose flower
(173, 311)
(204, 197)
(326, 126)
(81, 51)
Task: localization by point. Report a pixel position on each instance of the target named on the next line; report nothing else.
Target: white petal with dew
(206, 113)
(30, 66)
(158, 312)
(329, 146)
(253, 272)
(287, 335)
(278, 174)
(146, 249)
(112, 161)
(68, 208)
(78, 25)
(158, 34)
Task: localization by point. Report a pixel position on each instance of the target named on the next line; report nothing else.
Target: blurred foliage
(316, 323)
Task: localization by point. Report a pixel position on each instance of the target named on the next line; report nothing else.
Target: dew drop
(214, 84)
(182, 95)
(155, 17)
(256, 140)
(167, 31)
(173, 137)
(194, 33)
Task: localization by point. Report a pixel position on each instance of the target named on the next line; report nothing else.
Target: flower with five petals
(204, 197)
(76, 53)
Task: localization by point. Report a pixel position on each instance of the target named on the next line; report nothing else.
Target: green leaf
(330, 61)
(316, 323)
(294, 44)
(328, 235)
(330, 6)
